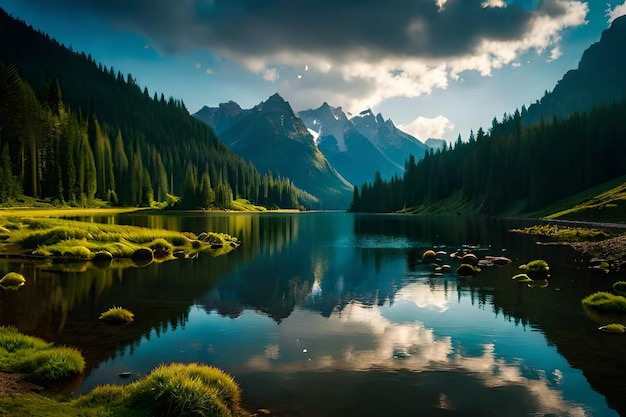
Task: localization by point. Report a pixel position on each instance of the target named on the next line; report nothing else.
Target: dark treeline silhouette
(511, 168)
(73, 131)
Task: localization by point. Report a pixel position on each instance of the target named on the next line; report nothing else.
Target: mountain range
(361, 145)
(324, 151)
(275, 140)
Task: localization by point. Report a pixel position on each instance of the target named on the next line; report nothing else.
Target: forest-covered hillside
(570, 141)
(73, 131)
(511, 169)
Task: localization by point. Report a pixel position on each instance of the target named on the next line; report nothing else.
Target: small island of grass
(117, 315)
(71, 240)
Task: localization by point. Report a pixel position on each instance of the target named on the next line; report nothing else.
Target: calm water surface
(333, 314)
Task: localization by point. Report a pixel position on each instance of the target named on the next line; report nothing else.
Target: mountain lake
(336, 314)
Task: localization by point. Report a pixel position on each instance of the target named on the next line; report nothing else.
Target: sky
(437, 68)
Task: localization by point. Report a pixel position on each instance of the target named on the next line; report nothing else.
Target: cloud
(617, 11)
(367, 51)
(424, 127)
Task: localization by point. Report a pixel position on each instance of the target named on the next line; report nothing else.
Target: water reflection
(342, 308)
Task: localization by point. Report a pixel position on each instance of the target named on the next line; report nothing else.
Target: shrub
(605, 301)
(52, 364)
(117, 315)
(186, 390)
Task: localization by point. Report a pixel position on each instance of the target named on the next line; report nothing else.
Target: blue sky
(437, 68)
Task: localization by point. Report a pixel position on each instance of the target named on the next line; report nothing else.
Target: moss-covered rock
(12, 281)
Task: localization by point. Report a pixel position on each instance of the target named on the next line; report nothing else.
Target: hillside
(597, 80)
(74, 131)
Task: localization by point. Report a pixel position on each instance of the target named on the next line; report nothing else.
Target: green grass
(39, 360)
(603, 203)
(244, 205)
(605, 302)
(52, 364)
(563, 233)
(169, 390)
(117, 315)
(172, 390)
(77, 240)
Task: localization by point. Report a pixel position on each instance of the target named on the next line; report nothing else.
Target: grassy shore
(46, 237)
(169, 390)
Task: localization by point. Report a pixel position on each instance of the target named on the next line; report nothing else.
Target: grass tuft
(187, 390)
(38, 359)
(52, 364)
(605, 301)
(117, 315)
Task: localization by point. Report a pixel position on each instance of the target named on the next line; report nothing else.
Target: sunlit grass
(245, 205)
(117, 315)
(172, 390)
(39, 360)
(47, 237)
(564, 234)
(606, 302)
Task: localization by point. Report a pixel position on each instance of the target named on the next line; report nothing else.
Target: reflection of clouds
(272, 352)
(361, 339)
(495, 372)
(424, 297)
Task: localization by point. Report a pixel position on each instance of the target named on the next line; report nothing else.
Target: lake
(336, 314)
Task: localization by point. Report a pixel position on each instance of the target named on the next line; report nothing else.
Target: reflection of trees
(64, 307)
(557, 312)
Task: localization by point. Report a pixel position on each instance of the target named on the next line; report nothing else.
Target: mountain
(597, 80)
(274, 139)
(349, 151)
(435, 143)
(359, 146)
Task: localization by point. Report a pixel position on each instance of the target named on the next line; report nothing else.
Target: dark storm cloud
(333, 28)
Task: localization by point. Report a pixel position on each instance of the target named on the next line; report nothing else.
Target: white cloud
(424, 127)
(270, 74)
(616, 12)
(358, 80)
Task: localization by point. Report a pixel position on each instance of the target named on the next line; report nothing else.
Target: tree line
(75, 132)
(511, 167)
